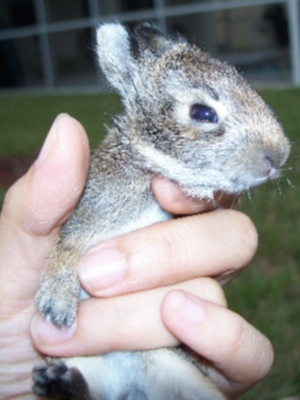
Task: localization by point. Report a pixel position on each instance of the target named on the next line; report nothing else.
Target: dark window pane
(73, 58)
(16, 13)
(58, 10)
(133, 5)
(21, 66)
(254, 39)
(113, 7)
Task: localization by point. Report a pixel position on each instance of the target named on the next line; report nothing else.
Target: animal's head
(189, 114)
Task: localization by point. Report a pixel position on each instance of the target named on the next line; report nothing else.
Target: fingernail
(188, 308)
(174, 192)
(50, 334)
(99, 270)
(50, 142)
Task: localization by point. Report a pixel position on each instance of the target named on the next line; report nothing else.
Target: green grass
(267, 293)
(25, 120)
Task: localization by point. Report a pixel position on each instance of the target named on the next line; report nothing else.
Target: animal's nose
(275, 155)
(273, 170)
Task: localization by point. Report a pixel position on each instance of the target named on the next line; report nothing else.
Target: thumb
(37, 204)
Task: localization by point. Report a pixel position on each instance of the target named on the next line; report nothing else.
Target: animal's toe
(60, 313)
(56, 380)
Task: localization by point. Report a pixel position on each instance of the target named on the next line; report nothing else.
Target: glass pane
(255, 39)
(73, 58)
(198, 29)
(58, 10)
(21, 63)
(16, 13)
(133, 5)
(181, 2)
(117, 6)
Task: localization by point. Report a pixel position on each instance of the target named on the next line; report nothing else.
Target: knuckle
(249, 232)
(244, 234)
(209, 289)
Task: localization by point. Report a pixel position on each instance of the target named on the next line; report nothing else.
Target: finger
(34, 208)
(241, 355)
(37, 204)
(130, 322)
(167, 253)
(172, 199)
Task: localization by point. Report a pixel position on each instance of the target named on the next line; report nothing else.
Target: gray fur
(159, 79)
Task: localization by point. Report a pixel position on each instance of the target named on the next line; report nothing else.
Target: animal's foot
(58, 303)
(53, 379)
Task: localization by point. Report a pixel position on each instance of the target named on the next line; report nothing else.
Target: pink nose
(273, 171)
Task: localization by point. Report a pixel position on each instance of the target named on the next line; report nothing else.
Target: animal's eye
(202, 113)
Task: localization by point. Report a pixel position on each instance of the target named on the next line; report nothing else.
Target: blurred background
(48, 65)
(49, 44)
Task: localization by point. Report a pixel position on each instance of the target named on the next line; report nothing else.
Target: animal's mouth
(224, 200)
(247, 180)
(264, 171)
(273, 174)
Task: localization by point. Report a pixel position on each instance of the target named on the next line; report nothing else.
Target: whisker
(289, 182)
(234, 200)
(278, 185)
(287, 169)
(249, 195)
(295, 141)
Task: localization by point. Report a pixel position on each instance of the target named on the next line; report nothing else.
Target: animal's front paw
(58, 302)
(55, 380)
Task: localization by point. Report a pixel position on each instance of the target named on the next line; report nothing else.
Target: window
(49, 43)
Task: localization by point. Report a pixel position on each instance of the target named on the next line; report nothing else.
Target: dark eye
(202, 113)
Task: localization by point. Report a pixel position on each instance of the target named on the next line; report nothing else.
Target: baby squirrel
(189, 118)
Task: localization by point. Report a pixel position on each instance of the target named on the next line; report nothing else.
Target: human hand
(240, 355)
(35, 208)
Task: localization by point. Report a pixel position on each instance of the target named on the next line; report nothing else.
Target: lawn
(267, 292)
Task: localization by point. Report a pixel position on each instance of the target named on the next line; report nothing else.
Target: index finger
(171, 198)
(170, 252)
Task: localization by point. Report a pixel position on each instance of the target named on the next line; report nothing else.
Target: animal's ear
(147, 38)
(115, 57)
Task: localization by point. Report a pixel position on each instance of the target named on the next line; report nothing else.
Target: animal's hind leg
(54, 379)
(173, 375)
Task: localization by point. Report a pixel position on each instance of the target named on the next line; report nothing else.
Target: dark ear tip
(145, 36)
(144, 29)
(148, 28)
(149, 31)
